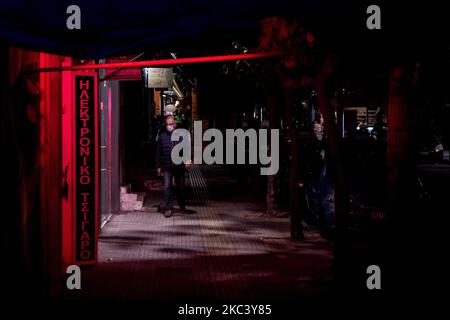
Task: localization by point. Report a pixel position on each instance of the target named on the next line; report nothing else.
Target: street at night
(252, 159)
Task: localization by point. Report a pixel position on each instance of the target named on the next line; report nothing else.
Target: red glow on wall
(68, 148)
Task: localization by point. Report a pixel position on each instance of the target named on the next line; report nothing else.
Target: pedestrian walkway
(225, 250)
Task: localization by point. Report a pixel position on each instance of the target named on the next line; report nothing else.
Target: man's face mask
(170, 127)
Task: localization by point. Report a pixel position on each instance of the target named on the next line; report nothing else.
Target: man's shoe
(168, 213)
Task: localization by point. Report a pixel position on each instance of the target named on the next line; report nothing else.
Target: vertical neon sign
(86, 168)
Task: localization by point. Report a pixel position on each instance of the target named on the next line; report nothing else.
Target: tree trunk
(289, 86)
(271, 179)
(272, 93)
(401, 173)
(341, 251)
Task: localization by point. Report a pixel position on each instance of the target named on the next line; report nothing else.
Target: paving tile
(226, 250)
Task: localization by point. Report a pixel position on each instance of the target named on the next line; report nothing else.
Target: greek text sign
(86, 168)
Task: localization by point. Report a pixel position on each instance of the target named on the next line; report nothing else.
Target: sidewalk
(226, 250)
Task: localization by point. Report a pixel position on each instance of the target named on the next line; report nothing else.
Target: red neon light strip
(162, 62)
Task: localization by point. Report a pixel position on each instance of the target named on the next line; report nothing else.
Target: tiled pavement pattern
(225, 250)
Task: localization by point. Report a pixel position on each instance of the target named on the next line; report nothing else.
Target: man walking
(169, 170)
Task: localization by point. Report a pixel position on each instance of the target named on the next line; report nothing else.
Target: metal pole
(162, 62)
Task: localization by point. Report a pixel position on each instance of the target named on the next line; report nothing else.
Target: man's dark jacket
(164, 149)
